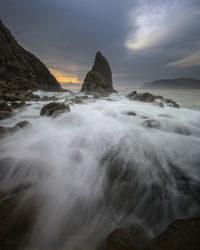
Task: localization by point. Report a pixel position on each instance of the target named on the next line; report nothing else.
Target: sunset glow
(63, 77)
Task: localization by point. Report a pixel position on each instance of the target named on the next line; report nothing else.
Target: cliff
(21, 70)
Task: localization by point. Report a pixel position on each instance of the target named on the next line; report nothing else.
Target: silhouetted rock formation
(147, 97)
(19, 69)
(178, 83)
(99, 79)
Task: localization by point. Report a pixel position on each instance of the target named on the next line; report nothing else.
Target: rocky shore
(21, 73)
(18, 216)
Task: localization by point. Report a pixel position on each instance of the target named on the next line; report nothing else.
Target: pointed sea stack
(99, 79)
(21, 70)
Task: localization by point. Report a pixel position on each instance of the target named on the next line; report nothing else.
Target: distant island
(178, 83)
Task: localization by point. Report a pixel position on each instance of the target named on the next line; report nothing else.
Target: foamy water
(98, 168)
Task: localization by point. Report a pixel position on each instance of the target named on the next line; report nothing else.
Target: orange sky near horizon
(63, 77)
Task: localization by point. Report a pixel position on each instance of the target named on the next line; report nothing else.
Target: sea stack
(21, 70)
(99, 79)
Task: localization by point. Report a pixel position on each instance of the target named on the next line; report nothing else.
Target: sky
(143, 40)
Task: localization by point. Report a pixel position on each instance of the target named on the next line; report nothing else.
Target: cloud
(154, 22)
(191, 60)
(138, 37)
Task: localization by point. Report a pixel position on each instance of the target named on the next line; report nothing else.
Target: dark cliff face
(100, 77)
(21, 70)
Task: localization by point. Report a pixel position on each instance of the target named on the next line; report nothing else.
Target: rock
(134, 238)
(19, 125)
(171, 103)
(143, 97)
(151, 124)
(100, 77)
(131, 113)
(54, 109)
(17, 105)
(100, 94)
(120, 239)
(17, 218)
(183, 234)
(3, 130)
(147, 97)
(23, 124)
(5, 115)
(76, 100)
(84, 97)
(49, 98)
(21, 70)
(19, 96)
(4, 107)
(161, 105)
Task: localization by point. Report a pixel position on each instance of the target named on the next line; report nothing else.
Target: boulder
(99, 79)
(134, 238)
(17, 217)
(147, 97)
(183, 234)
(151, 124)
(19, 125)
(19, 96)
(49, 98)
(5, 115)
(4, 107)
(131, 113)
(18, 105)
(54, 109)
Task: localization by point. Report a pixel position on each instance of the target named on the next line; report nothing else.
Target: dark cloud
(65, 34)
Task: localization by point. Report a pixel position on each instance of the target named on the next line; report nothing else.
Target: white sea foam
(98, 168)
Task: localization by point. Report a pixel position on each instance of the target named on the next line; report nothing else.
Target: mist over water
(96, 168)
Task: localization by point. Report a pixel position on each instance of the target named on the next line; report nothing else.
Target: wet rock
(100, 77)
(100, 94)
(49, 98)
(161, 105)
(17, 218)
(54, 109)
(75, 101)
(5, 115)
(19, 96)
(171, 103)
(134, 238)
(19, 125)
(131, 113)
(3, 130)
(182, 234)
(85, 97)
(78, 99)
(18, 105)
(143, 97)
(151, 124)
(23, 124)
(4, 107)
(120, 239)
(147, 97)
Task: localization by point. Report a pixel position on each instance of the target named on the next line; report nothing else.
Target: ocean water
(96, 168)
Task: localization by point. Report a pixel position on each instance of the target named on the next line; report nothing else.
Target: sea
(97, 168)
